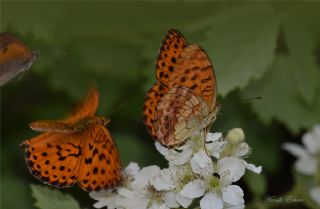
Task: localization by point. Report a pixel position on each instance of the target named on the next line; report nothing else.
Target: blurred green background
(262, 49)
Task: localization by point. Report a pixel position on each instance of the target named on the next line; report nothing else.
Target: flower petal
(211, 201)
(178, 158)
(132, 169)
(242, 150)
(183, 157)
(193, 189)
(307, 165)
(183, 201)
(230, 169)
(315, 195)
(202, 164)
(252, 167)
(144, 176)
(232, 195)
(213, 136)
(169, 199)
(296, 150)
(164, 181)
(311, 143)
(161, 149)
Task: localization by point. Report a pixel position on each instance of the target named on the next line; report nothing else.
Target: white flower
(307, 155)
(308, 158)
(106, 198)
(183, 201)
(231, 195)
(202, 164)
(217, 192)
(230, 169)
(194, 189)
(211, 201)
(200, 169)
(315, 194)
(164, 181)
(176, 156)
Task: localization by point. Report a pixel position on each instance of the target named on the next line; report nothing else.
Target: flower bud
(235, 136)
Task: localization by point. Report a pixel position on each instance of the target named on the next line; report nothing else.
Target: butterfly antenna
(242, 100)
(118, 108)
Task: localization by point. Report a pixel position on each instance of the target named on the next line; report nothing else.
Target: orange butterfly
(77, 149)
(183, 100)
(15, 57)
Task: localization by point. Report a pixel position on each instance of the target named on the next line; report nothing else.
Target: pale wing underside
(179, 115)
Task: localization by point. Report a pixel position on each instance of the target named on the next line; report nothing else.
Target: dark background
(270, 50)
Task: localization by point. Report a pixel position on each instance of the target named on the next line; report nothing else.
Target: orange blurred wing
(100, 166)
(15, 57)
(12, 48)
(54, 157)
(87, 108)
(170, 51)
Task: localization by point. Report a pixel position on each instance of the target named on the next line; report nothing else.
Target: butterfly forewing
(172, 46)
(87, 108)
(54, 157)
(194, 71)
(100, 166)
(52, 126)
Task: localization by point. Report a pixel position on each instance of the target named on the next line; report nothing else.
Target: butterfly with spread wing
(183, 100)
(78, 149)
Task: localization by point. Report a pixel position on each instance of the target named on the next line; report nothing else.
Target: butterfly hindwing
(175, 112)
(100, 167)
(150, 106)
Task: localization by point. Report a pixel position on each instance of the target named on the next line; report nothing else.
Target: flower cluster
(204, 168)
(308, 162)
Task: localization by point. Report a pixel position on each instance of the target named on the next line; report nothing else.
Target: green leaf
(47, 198)
(281, 99)
(304, 71)
(241, 42)
(14, 192)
